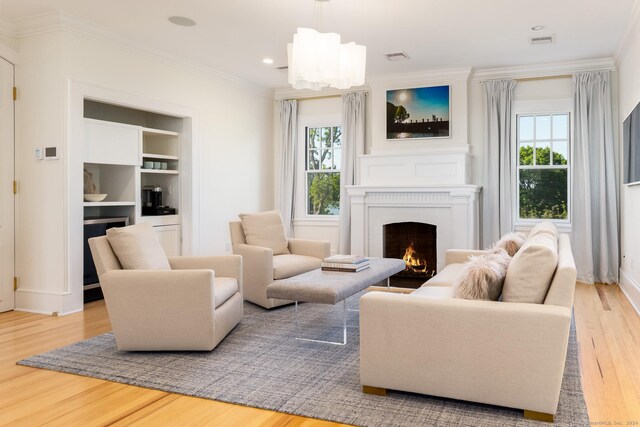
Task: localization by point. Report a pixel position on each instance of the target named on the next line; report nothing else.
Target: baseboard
(631, 290)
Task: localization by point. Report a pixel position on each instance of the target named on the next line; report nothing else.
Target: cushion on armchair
(285, 266)
(137, 247)
(265, 229)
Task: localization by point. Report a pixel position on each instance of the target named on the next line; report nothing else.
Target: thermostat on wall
(50, 153)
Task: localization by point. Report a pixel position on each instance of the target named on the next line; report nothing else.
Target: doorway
(7, 202)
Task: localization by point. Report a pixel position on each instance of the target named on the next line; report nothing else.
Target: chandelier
(318, 60)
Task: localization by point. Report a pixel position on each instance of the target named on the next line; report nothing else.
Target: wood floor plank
(608, 330)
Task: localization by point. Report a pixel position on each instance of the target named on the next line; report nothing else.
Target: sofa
(502, 353)
(268, 256)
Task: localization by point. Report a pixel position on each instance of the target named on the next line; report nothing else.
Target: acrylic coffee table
(332, 287)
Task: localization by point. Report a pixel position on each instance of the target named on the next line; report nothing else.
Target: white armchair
(261, 267)
(193, 306)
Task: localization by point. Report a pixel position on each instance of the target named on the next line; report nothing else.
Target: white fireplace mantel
(452, 209)
(429, 186)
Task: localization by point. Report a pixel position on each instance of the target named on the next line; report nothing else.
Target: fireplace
(415, 243)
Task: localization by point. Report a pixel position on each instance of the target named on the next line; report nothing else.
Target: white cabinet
(122, 160)
(169, 237)
(111, 143)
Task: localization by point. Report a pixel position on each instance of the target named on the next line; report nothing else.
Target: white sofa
(501, 353)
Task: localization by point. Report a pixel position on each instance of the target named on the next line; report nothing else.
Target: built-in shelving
(160, 171)
(105, 204)
(158, 156)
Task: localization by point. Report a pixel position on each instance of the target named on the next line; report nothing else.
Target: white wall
(233, 135)
(629, 90)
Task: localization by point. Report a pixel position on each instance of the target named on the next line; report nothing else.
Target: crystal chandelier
(318, 60)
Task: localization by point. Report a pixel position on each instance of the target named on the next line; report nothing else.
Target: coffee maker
(152, 201)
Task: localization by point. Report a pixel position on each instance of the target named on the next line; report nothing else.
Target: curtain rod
(338, 95)
(531, 79)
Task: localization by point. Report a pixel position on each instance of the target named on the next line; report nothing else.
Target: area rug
(260, 365)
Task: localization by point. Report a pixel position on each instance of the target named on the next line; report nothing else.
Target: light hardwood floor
(608, 334)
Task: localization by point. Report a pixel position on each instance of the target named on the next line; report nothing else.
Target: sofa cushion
(544, 227)
(434, 292)
(446, 276)
(265, 229)
(291, 265)
(531, 269)
(223, 289)
(137, 247)
(511, 242)
(482, 277)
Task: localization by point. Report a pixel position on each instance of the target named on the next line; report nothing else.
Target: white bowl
(94, 197)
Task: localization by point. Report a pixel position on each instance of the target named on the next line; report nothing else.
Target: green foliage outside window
(323, 164)
(324, 193)
(543, 191)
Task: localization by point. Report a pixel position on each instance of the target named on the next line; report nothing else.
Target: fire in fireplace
(415, 243)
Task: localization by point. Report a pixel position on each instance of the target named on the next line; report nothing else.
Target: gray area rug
(259, 364)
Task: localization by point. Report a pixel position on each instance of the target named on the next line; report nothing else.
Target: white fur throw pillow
(482, 277)
(511, 242)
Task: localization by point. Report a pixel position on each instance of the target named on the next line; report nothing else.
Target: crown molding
(629, 36)
(544, 70)
(50, 22)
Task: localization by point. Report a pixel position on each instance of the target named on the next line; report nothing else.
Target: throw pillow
(531, 270)
(482, 277)
(265, 229)
(544, 227)
(137, 247)
(510, 242)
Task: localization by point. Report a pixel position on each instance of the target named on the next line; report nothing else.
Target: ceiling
(233, 36)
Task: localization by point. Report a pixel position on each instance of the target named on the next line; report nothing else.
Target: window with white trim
(543, 171)
(323, 148)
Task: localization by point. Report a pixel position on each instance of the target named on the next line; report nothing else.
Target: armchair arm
(224, 265)
(160, 310)
(315, 248)
(257, 270)
(507, 354)
(453, 256)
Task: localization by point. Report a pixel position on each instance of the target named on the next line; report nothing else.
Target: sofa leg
(374, 390)
(538, 416)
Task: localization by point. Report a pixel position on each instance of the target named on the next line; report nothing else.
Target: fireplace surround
(428, 187)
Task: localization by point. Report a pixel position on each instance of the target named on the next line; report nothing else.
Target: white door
(6, 186)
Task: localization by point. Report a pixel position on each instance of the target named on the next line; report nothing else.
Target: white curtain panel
(288, 109)
(353, 135)
(595, 192)
(497, 199)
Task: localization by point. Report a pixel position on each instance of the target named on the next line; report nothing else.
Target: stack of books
(348, 263)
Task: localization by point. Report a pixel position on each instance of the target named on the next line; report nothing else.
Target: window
(322, 169)
(543, 166)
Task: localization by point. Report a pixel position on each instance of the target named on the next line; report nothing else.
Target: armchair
(193, 306)
(261, 267)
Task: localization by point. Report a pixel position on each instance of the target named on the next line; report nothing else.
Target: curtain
(595, 193)
(288, 110)
(353, 135)
(497, 211)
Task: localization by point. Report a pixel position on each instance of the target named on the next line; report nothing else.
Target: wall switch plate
(39, 153)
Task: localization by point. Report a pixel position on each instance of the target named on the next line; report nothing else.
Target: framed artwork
(418, 113)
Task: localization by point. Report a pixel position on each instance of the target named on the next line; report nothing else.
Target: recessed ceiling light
(267, 61)
(537, 27)
(182, 21)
